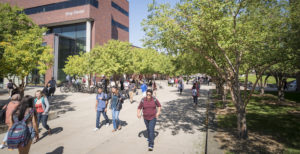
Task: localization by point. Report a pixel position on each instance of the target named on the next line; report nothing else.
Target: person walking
(41, 106)
(46, 90)
(10, 87)
(154, 88)
(180, 86)
(117, 100)
(52, 83)
(151, 111)
(22, 139)
(10, 107)
(101, 107)
(195, 94)
(144, 89)
(131, 90)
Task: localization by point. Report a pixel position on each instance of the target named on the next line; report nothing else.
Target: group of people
(23, 116)
(150, 106)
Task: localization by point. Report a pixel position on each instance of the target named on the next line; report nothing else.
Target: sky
(138, 10)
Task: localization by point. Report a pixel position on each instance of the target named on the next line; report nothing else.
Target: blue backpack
(19, 134)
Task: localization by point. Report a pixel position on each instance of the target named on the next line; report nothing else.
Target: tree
(233, 36)
(11, 23)
(23, 53)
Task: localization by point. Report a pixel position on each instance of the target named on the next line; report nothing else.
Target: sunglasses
(149, 94)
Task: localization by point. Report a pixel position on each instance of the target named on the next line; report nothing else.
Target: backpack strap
(28, 115)
(15, 118)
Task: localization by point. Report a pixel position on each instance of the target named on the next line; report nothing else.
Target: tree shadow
(145, 134)
(58, 150)
(58, 105)
(181, 115)
(53, 131)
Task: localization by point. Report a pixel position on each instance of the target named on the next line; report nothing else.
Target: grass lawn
(271, 79)
(267, 118)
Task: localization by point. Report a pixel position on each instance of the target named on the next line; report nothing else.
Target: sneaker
(150, 149)
(96, 129)
(2, 146)
(107, 124)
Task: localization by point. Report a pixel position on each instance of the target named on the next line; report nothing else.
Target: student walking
(52, 86)
(117, 100)
(23, 120)
(151, 111)
(180, 86)
(154, 88)
(101, 108)
(47, 90)
(10, 107)
(10, 87)
(195, 94)
(41, 106)
(131, 90)
(144, 89)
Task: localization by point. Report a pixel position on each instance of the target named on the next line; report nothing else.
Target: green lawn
(270, 119)
(271, 79)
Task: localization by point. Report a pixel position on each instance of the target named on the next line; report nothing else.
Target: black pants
(195, 99)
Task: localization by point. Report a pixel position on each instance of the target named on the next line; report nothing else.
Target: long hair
(26, 102)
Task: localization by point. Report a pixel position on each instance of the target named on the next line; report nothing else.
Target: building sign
(75, 12)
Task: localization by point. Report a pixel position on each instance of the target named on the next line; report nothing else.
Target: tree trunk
(22, 88)
(240, 108)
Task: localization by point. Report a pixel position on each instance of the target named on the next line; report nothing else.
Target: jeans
(115, 118)
(98, 118)
(44, 119)
(150, 124)
(195, 99)
(5, 137)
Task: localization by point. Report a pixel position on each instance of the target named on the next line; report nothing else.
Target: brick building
(74, 26)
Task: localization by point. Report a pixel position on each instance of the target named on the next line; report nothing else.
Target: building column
(88, 35)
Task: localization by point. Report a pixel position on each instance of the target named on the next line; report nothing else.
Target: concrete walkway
(180, 129)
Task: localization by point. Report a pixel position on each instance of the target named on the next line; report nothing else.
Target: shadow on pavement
(53, 131)
(145, 134)
(60, 106)
(58, 150)
(182, 115)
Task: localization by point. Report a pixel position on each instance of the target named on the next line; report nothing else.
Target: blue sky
(138, 10)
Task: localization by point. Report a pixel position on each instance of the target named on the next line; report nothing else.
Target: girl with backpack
(151, 111)
(23, 128)
(195, 94)
(116, 105)
(41, 106)
(9, 108)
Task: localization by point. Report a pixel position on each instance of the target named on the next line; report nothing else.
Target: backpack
(194, 92)
(155, 100)
(10, 85)
(19, 134)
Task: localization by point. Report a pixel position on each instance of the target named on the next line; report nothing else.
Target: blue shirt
(101, 102)
(144, 87)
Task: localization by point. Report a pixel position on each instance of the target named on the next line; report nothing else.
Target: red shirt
(39, 108)
(149, 108)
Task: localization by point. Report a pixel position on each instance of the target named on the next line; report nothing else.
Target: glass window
(60, 5)
(68, 31)
(116, 6)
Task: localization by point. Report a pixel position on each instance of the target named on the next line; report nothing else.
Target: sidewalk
(180, 128)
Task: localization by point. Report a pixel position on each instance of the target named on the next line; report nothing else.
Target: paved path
(180, 129)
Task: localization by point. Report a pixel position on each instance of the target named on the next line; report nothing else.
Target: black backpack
(10, 85)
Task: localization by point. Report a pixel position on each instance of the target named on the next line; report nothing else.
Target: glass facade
(75, 31)
(60, 5)
(116, 6)
(34, 78)
(66, 47)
